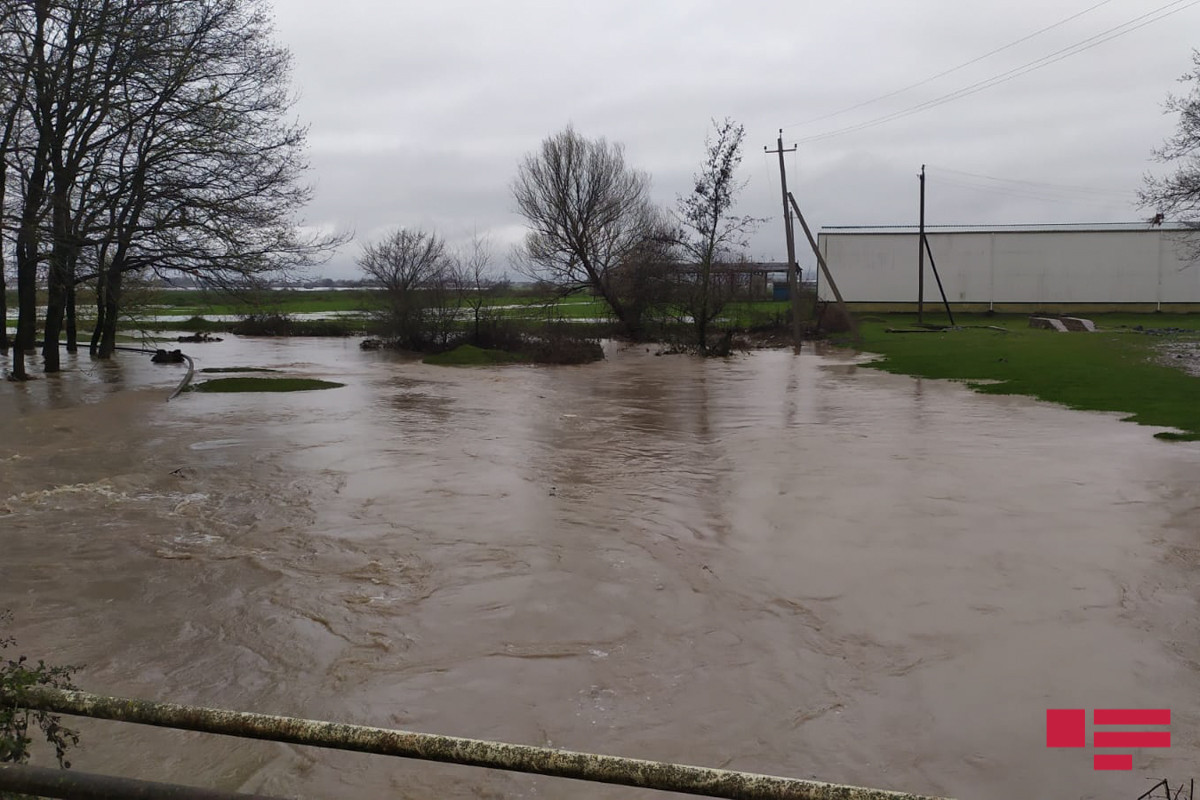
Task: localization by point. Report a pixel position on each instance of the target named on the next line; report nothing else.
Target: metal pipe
(187, 378)
(43, 782)
(432, 747)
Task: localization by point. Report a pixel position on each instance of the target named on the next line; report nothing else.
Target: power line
(952, 70)
(979, 86)
(1059, 187)
(1079, 47)
(1046, 196)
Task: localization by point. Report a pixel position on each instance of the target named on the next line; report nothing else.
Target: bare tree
(477, 281)
(150, 136)
(205, 179)
(710, 235)
(588, 213)
(1178, 194)
(13, 87)
(411, 266)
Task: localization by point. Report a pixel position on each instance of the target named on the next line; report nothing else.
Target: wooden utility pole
(921, 256)
(923, 250)
(793, 267)
(812, 242)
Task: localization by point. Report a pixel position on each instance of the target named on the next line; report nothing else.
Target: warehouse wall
(1010, 267)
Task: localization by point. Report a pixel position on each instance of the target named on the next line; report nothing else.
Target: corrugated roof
(1025, 228)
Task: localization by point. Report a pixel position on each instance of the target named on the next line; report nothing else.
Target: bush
(499, 334)
(263, 325)
(467, 355)
(508, 341)
(283, 325)
(15, 677)
(560, 345)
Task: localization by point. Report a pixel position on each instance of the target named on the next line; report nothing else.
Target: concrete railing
(431, 747)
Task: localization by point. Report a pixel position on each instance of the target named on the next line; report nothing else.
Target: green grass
(515, 306)
(747, 314)
(282, 301)
(1113, 370)
(264, 385)
(573, 307)
(467, 355)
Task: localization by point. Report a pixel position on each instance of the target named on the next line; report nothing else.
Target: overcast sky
(420, 112)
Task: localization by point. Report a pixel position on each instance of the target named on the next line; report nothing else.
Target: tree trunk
(631, 326)
(101, 294)
(72, 332)
(31, 210)
(56, 304)
(107, 324)
(57, 278)
(3, 307)
(700, 311)
(27, 248)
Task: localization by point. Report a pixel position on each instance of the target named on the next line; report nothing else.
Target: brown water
(791, 565)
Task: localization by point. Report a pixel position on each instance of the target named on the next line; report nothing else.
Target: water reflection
(775, 563)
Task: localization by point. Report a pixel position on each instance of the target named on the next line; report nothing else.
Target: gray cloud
(419, 113)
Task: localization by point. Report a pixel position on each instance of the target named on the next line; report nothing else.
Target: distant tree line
(149, 137)
(592, 228)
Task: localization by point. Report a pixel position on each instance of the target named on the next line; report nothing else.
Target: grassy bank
(282, 301)
(470, 356)
(1117, 369)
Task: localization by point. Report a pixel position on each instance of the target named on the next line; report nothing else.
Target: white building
(1017, 268)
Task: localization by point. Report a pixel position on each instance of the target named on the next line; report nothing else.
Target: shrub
(560, 345)
(16, 676)
(263, 325)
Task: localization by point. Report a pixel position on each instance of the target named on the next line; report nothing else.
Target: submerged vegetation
(1120, 368)
(468, 355)
(237, 369)
(227, 385)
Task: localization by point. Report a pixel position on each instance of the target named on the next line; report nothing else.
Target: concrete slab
(1047, 323)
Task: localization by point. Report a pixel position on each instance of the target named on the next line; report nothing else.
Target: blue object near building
(779, 291)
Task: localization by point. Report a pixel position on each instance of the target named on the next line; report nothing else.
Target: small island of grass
(237, 369)
(468, 355)
(264, 385)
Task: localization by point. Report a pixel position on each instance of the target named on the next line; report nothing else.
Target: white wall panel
(1076, 266)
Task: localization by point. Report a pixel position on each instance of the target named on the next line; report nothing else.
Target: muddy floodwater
(791, 565)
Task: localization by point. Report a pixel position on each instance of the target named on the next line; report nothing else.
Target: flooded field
(792, 565)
